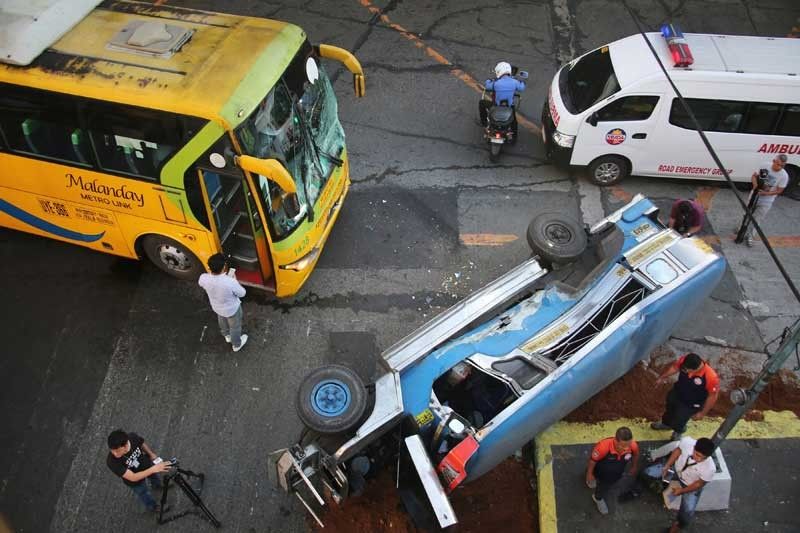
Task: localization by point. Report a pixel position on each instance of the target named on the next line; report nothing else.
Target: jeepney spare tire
(331, 399)
(556, 238)
(609, 170)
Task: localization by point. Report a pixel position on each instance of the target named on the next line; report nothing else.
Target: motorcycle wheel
(494, 152)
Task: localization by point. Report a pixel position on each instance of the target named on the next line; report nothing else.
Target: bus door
(238, 227)
(621, 126)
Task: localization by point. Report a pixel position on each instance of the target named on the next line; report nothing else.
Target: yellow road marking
(442, 60)
(776, 425)
(487, 239)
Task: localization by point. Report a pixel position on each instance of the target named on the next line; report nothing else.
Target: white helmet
(502, 68)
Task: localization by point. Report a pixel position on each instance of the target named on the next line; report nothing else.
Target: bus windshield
(296, 123)
(587, 81)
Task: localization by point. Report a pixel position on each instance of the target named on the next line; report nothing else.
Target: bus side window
(133, 141)
(40, 124)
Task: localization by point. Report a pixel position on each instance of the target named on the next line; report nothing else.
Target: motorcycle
(501, 125)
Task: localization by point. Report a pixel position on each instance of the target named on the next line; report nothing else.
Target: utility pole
(742, 399)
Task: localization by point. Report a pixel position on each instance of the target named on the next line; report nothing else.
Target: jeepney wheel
(556, 238)
(608, 170)
(172, 257)
(331, 399)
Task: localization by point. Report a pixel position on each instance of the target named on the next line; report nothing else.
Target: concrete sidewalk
(760, 456)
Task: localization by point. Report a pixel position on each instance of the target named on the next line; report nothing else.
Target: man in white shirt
(694, 467)
(777, 179)
(223, 293)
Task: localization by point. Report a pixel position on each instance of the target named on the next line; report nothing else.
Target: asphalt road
(92, 343)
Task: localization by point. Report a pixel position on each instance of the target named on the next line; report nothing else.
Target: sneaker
(241, 345)
(601, 505)
(659, 425)
(227, 338)
(749, 242)
(676, 436)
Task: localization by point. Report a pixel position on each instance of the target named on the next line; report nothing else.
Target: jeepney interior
(478, 388)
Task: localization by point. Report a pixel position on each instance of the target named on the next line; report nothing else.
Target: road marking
(487, 239)
(776, 425)
(705, 197)
(442, 60)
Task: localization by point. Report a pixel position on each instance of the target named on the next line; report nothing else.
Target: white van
(614, 111)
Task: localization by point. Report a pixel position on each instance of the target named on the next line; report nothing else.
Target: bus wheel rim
(174, 258)
(330, 398)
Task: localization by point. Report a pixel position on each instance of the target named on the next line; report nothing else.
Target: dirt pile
(501, 500)
(636, 395)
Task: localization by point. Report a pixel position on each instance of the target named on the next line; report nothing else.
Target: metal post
(745, 399)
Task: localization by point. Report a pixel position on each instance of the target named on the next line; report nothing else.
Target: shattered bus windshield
(587, 81)
(296, 123)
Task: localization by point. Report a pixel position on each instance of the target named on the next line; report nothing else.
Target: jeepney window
(661, 272)
(628, 108)
(790, 121)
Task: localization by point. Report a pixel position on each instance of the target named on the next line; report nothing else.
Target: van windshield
(587, 81)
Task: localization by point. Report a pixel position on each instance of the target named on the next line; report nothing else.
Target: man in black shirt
(133, 460)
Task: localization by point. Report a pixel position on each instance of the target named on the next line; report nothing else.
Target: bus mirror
(593, 118)
(270, 168)
(349, 61)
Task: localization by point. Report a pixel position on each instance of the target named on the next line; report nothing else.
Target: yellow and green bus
(173, 134)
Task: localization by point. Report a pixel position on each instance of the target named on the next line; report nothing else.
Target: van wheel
(331, 399)
(172, 257)
(608, 170)
(792, 189)
(556, 238)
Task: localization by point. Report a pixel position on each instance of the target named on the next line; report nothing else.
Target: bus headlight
(304, 262)
(565, 141)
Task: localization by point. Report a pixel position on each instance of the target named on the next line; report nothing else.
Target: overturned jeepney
(482, 379)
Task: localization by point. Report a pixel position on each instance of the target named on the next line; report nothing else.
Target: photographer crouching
(767, 184)
(130, 458)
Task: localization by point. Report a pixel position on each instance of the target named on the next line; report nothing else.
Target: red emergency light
(678, 48)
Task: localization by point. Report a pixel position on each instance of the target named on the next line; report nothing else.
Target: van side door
(620, 127)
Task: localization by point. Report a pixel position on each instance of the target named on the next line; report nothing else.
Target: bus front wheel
(172, 257)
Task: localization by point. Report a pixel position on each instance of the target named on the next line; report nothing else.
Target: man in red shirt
(612, 458)
(692, 396)
(686, 217)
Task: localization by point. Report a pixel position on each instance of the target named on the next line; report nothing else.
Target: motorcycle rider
(504, 86)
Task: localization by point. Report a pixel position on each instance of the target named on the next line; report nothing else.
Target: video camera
(762, 179)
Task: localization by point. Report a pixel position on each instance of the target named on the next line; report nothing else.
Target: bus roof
(739, 54)
(226, 66)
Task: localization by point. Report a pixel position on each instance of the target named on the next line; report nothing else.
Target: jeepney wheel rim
(330, 398)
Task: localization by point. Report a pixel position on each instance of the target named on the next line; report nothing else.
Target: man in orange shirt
(692, 396)
(612, 458)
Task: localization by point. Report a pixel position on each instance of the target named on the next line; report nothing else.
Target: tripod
(177, 477)
(748, 217)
